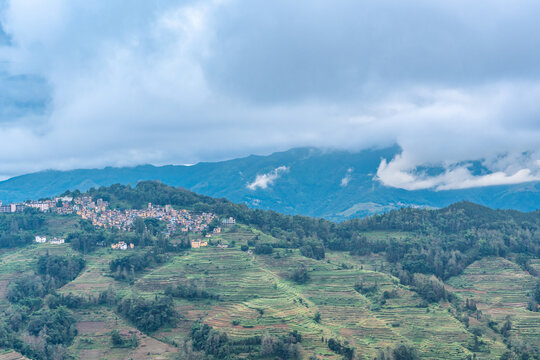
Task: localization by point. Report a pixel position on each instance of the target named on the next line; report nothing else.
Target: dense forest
(17, 229)
(36, 310)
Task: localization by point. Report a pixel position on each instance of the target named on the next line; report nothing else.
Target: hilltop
(336, 185)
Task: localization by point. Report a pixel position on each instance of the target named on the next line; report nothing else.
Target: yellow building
(197, 244)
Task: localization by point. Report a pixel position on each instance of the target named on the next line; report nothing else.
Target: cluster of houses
(122, 245)
(182, 219)
(53, 241)
(99, 213)
(59, 205)
(195, 244)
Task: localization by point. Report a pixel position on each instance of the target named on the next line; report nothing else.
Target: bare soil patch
(91, 327)
(150, 348)
(93, 354)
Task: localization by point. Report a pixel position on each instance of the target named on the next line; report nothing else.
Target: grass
(60, 225)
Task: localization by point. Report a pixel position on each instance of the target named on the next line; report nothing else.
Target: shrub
(149, 315)
(264, 249)
(300, 275)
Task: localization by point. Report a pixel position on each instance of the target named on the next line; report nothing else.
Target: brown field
(94, 340)
(11, 355)
(91, 327)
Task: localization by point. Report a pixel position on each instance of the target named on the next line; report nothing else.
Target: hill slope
(460, 282)
(336, 185)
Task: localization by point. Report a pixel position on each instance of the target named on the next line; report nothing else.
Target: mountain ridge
(332, 184)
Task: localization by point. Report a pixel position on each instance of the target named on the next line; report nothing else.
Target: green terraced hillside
(457, 283)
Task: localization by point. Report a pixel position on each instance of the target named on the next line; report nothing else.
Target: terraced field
(257, 296)
(370, 326)
(19, 261)
(94, 341)
(95, 277)
(501, 289)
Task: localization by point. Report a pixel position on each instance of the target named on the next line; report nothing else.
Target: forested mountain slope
(336, 185)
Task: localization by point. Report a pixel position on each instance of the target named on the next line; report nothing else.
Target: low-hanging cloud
(451, 179)
(263, 181)
(104, 83)
(347, 178)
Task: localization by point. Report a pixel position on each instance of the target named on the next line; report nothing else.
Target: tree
(116, 338)
(300, 275)
(263, 249)
(149, 315)
(405, 352)
(506, 327)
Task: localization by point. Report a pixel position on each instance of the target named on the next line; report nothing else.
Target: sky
(87, 84)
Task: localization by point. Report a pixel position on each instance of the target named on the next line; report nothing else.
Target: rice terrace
(404, 285)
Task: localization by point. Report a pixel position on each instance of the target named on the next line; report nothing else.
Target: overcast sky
(96, 83)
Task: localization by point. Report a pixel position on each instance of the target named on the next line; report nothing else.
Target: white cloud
(397, 173)
(347, 178)
(201, 80)
(268, 179)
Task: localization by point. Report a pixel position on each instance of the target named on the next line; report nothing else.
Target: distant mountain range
(336, 185)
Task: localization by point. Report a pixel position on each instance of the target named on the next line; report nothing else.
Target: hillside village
(101, 215)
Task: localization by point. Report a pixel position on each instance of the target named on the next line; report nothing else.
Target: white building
(41, 240)
(229, 221)
(40, 206)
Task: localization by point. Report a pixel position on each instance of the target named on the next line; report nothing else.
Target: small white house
(41, 240)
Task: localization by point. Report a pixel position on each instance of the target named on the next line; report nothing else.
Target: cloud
(268, 179)
(451, 179)
(91, 84)
(347, 178)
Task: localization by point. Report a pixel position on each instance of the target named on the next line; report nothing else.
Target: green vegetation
(19, 229)
(119, 341)
(457, 283)
(149, 315)
(125, 267)
(61, 269)
(51, 324)
(191, 291)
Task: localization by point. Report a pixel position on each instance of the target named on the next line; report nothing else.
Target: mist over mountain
(336, 185)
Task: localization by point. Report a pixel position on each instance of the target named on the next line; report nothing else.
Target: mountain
(336, 185)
